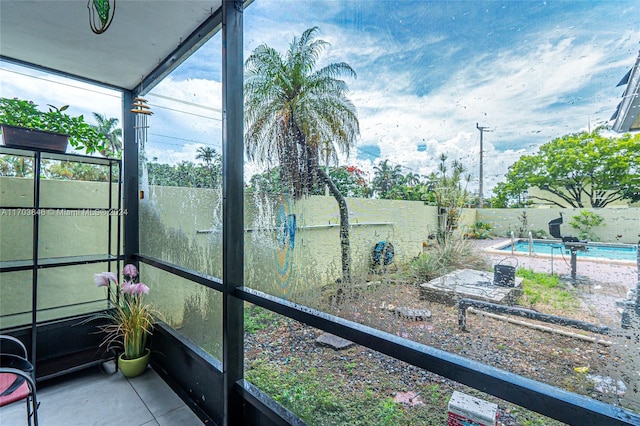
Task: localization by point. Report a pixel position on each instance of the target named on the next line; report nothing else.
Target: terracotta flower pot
(134, 367)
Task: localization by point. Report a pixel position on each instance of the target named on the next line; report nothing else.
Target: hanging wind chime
(142, 111)
(101, 14)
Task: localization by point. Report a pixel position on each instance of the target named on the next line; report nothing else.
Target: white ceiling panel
(56, 34)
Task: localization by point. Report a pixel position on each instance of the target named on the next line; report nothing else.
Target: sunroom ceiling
(55, 34)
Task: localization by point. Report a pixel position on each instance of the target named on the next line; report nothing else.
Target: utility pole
(482, 129)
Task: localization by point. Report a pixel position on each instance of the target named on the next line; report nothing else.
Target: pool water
(614, 252)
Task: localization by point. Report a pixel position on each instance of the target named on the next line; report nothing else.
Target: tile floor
(92, 397)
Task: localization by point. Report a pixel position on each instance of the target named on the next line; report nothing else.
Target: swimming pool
(595, 250)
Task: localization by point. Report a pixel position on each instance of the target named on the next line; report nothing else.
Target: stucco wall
(191, 219)
(624, 222)
(183, 226)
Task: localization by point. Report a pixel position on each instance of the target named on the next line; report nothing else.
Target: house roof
(626, 116)
(145, 41)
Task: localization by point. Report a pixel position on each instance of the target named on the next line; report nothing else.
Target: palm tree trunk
(344, 226)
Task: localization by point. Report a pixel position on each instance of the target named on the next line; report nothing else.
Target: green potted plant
(24, 125)
(131, 320)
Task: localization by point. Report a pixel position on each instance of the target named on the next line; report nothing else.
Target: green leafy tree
(411, 179)
(16, 166)
(411, 187)
(506, 196)
(350, 181)
(585, 222)
(69, 170)
(82, 136)
(109, 128)
(581, 169)
(186, 174)
(294, 112)
(267, 182)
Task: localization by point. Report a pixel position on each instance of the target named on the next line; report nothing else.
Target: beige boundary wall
(405, 224)
(620, 224)
(193, 214)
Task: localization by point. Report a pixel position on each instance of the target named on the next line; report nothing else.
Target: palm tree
(386, 178)
(206, 154)
(411, 179)
(295, 112)
(450, 191)
(107, 126)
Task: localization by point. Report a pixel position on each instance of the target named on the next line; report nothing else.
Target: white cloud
(187, 115)
(526, 96)
(47, 89)
(551, 80)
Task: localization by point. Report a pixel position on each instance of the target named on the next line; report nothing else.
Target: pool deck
(602, 283)
(497, 247)
(624, 273)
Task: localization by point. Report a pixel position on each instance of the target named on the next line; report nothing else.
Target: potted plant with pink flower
(131, 319)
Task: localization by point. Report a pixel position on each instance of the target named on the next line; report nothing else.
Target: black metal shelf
(45, 155)
(52, 262)
(110, 209)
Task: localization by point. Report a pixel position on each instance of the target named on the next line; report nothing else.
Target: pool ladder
(513, 242)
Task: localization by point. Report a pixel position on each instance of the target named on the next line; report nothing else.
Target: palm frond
(295, 114)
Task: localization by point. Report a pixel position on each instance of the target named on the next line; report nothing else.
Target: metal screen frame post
(232, 209)
(130, 184)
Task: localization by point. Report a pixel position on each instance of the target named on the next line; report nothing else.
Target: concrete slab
(411, 314)
(335, 342)
(470, 283)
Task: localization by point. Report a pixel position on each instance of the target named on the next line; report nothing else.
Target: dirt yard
(609, 372)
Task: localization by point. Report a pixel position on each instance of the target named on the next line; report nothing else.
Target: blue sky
(529, 71)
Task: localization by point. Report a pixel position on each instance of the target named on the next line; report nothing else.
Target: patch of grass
(540, 279)
(546, 292)
(304, 393)
(388, 412)
(434, 394)
(257, 318)
(321, 399)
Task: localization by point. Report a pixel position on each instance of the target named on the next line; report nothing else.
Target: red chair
(17, 381)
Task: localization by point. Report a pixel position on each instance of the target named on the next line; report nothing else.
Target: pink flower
(134, 289)
(130, 271)
(102, 279)
(125, 287)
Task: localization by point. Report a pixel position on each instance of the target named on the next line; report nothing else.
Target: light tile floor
(97, 398)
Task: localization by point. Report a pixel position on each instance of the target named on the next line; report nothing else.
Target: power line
(61, 83)
(180, 139)
(169, 98)
(185, 112)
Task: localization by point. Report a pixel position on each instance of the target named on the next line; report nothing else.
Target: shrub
(585, 222)
(451, 254)
(480, 231)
